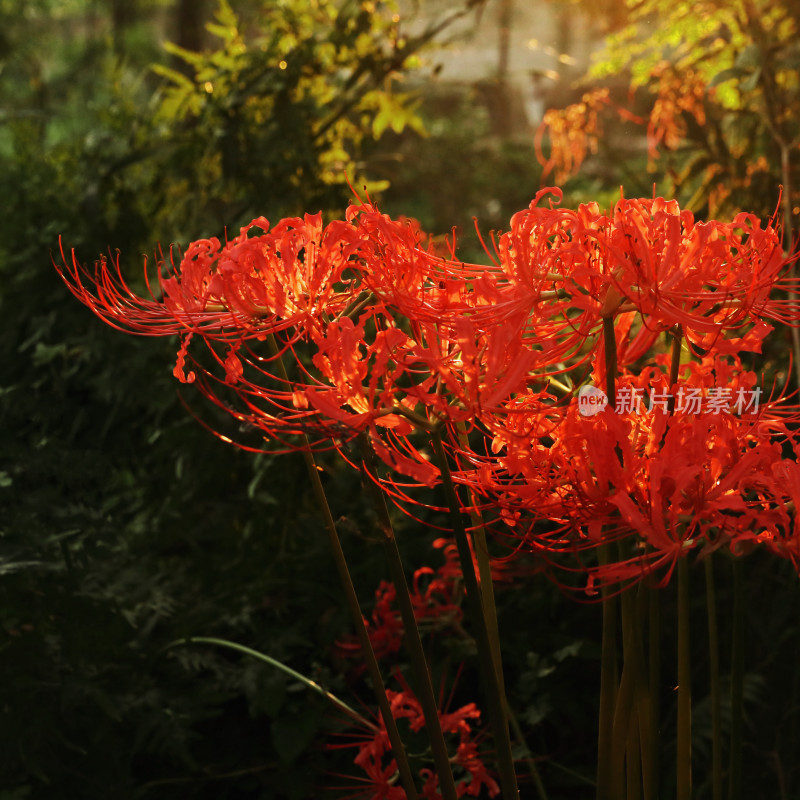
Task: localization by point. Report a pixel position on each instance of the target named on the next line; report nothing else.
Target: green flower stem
(625, 709)
(684, 733)
(529, 760)
(737, 683)
(654, 630)
(371, 663)
(633, 761)
(675, 364)
(619, 737)
(489, 606)
(608, 687)
(610, 345)
(313, 685)
(645, 693)
(634, 706)
(492, 627)
(494, 697)
(713, 652)
(487, 584)
(411, 631)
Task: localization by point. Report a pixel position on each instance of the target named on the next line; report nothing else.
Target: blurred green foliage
(718, 81)
(460, 176)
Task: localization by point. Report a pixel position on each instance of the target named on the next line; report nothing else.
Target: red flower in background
(436, 597)
(374, 754)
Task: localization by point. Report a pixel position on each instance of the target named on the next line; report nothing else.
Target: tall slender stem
(486, 583)
(737, 684)
(529, 760)
(619, 738)
(654, 627)
(713, 652)
(625, 710)
(371, 663)
(490, 614)
(633, 761)
(674, 364)
(646, 690)
(494, 698)
(610, 346)
(684, 757)
(608, 687)
(411, 631)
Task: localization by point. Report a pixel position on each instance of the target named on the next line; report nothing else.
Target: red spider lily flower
(302, 282)
(436, 596)
(693, 474)
(405, 270)
(396, 383)
(451, 366)
(361, 380)
(706, 277)
(390, 376)
(469, 759)
(385, 627)
(565, 271)
(435, 599)
(471, 775)
(380, 778)
(451, 570)
(286, 280)
(257, 283)
(694, 494)
(781, 533)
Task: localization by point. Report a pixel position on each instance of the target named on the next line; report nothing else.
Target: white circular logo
(591, 400)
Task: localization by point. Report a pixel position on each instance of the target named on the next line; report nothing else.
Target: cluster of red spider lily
(375, 759)
(385, 338)
(436, 598)
(358, 335)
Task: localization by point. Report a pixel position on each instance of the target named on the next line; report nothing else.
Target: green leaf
(750, 58)
(752, 82)
(394, 112)
(226, 15)
(178, 78)
(732, 73)
(45, 353)
(307, 682)
(568, 651)
(8, 567)
(188, 56)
